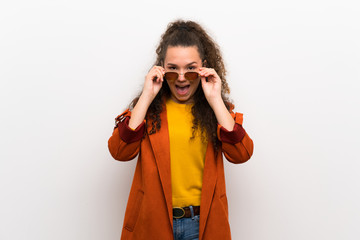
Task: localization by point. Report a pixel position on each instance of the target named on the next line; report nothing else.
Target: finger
(157, 78)
(159, 68)
(160, 74)
(150, 76)
(154, 76)
(203, 78)
(152, 69)
(206, 74)
(162, 71)
(203, 82)
(204, 71)
(211, 75)
(210, 72)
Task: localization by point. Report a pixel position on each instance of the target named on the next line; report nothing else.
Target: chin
(182, 99)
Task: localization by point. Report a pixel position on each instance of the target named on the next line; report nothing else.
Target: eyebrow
(172, 64)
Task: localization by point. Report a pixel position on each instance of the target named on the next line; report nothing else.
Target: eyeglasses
(172, 76)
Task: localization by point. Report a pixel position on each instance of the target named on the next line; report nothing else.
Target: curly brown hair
(188, 34)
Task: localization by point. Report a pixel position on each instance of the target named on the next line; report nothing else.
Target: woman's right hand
(153, 82)
(152, 86)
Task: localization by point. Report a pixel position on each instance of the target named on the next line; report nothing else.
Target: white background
(68, 68)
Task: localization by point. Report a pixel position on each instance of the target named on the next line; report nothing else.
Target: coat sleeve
(237, 146)
(124, 144)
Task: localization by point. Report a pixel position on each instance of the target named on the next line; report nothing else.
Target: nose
(181, 77)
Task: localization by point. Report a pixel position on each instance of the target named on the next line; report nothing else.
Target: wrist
(216, 103)
(146, 98)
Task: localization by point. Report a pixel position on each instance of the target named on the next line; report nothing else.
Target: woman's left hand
(212, 87)
(212, 91)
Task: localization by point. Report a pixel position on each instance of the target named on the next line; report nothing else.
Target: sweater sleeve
(124, 144)
(237, 146)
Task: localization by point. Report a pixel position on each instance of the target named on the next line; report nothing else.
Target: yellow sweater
(187, 156)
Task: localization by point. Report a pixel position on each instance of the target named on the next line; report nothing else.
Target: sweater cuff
(129, 135)
(232, 137)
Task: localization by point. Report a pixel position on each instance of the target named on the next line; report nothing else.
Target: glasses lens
(171, 76)
(191, 76)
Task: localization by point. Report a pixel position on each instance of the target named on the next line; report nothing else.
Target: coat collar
(161, 147)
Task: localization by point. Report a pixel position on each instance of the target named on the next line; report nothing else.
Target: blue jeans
(186, 228)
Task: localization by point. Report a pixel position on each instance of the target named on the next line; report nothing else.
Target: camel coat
(149, 208)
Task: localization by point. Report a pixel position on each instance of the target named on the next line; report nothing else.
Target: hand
(211, 87)
(212, 91)
(153, 82)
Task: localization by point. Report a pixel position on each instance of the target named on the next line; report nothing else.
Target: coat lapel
(161, 147)
(208, 187)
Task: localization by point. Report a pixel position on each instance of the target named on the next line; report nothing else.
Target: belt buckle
(179, 210)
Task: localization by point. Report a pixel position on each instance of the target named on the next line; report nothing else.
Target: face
(181, 60)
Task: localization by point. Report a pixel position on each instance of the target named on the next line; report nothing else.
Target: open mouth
(182, 90)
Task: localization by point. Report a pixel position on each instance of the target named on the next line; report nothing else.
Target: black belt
(180, 212)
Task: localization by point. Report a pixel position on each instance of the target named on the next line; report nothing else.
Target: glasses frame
(186, 75)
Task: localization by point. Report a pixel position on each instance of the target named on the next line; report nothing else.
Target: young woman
(180, 126)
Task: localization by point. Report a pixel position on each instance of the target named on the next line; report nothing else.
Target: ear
(204, 63)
